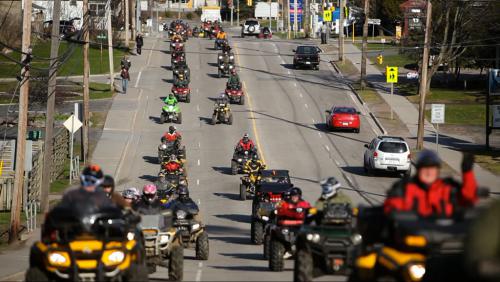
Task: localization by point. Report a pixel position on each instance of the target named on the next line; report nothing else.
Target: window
(97, 10)
(307, 50)
(392, 147)
(251, 23)
(344, 111)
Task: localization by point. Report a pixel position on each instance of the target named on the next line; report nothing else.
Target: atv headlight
(284, 231)
(195, 226)
(180, 44)
(221, 66)
(164, 239)
(180, 214)
(240, 160)
(230, 66)
(416, 272)
(313, 237)
(164, 146)
(112, 257)
(265, 218)
(59, 259)
(220, 57)
(356, 239)
(231, 57)
(130, 236)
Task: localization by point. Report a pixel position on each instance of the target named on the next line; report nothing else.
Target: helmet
(130, 193)
(171, 129)
(428, 158)
(91, 176)
(149, 193)
(246, 137)
(329, 187)
(108, 182)
(296, 191)
(171, 95)
(233, 71)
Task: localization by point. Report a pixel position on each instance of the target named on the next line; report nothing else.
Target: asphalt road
(284, 114)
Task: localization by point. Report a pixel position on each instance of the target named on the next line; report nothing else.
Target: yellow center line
(252, 115)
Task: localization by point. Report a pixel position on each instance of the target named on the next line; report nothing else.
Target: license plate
(345, 124)
(391, 162)
(308, 63)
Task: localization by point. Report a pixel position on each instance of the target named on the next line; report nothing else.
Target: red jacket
(246, 146)
(287, 210)
(171, 137)
(440, 198)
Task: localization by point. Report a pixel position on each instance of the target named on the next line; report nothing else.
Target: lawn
(72, 66)
(449, 96)
(459, 114)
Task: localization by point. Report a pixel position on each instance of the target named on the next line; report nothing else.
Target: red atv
(182, 93)
(176, 46)
(235, 94)
(177, 59)
(266, 33)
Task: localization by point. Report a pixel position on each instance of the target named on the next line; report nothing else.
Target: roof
(273, 187)
(391, 138)
(275, 173)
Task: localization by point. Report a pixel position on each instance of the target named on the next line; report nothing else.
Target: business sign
(437, 113)
(494, 82)
(392, 75)
(299, 11)
(262, 10)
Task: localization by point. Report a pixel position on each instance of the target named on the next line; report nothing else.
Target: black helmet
(428, 158)
(108, 182)
(171, 128)
(91, 176)
(296, 191)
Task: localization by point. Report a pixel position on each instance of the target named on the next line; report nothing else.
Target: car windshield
(307, 50)
(392, 147)
(344, 110)
(252, 23)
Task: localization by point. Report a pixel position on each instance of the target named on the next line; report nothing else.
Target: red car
(343, 118)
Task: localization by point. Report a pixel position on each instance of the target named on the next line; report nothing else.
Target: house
(414, 16)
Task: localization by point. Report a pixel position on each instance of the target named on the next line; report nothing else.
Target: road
(284, 114)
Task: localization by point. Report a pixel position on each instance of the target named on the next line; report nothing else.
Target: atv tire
(267, 242)
(230, 119)
(303, 269)
(243, 192)
(151, 268)
(257, 232)
(162, 119)
(137, 272)
(179, 118)
(202, 247)
(242, 100)
(219, 73)
(276, 253)
(234, 168)
(188, 98)
(176, 263)
(214, 120)
(36, 274)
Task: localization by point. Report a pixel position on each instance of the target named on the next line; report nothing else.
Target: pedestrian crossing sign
(392, 74)
(327, 15)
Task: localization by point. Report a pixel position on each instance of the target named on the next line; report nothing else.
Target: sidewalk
(448, 145)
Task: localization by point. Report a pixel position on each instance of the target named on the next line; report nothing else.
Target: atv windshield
(156, 221)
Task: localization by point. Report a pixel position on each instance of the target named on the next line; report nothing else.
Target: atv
(176, 46)
(169, 181)
(168, 148)
(177, 59)
(182, 93)
(328, 246)
(163, 245)
(235, 94)
(192, 230)
(218, 43)
(263, 206)
(181, 69)
(87, 242)
(171, 113)
(222, 114)
(281, 241)
(240, 159)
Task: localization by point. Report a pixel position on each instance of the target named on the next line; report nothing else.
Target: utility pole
(295, 19)
(179, 12)
(289, 22)
(232, 13)
(270, 19)
(238, 11)
(365, 44)
(17, 194)
(51, 99)
(306, 19)
(86, 75)
(110, 47)
(127, 17)
(423, 77)
(341, 31)
(133, 10)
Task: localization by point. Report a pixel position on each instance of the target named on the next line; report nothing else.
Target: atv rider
(294, 208)
(171, 135)
(131, 195)
(221, 103)
(149, 202)
(108, 186)
(90, 181)
(226, 48)
(221, 35)
(245, 144)
(182, 68)
(171, 100)
(181, 81)
(330, 194)
(183, 201)
(430, 195)
(176, 38)
(234, 81)
(254, 166)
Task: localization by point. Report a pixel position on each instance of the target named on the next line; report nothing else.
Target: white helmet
(329, 187)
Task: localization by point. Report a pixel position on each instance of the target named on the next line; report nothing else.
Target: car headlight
(113, 257)
(59, 259)
(313, 237)
(180, 214)
(416, 272)
(265, 218)
(164, 239)
(195, 226)
(356, 239)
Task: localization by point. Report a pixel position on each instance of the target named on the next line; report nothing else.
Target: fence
(33, 184)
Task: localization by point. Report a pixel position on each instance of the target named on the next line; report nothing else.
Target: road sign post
(391, 78)
(72, 124)
(437, 117)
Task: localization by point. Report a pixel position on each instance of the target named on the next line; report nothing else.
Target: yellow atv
(248, 184)
(222, 114)
(81, 242)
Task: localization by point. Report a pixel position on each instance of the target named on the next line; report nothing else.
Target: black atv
(169, 148)
(192, 230)
(239, 160)
(225, 63)
(328, 246)
(85, 241)
(279, 240)
(163, 245)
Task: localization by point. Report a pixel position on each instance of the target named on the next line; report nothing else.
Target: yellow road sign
(327, 16)
(392, 74)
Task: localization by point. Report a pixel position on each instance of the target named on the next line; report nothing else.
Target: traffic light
(249, 3)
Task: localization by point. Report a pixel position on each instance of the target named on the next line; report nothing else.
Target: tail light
(375, 154)
(409, 157)
(274, 198)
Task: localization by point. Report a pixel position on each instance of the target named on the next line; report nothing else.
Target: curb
(374, 118)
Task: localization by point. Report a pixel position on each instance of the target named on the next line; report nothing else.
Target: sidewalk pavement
(449, 145)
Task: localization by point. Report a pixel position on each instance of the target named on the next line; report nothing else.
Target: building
(413, 16)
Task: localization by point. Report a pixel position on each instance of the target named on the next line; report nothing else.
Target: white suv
(250, 27)
(387, 153)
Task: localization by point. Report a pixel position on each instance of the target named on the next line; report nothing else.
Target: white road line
(197, 182)
(295, 84)
(300, 94)
(313, 121)
(337, 162)
(349, 180)
(305, 105)
(198, 162)
(327, 148)
(289, 72)
(319, 133)
(198, 272)
(197, 90)
(198, 108)
(138, 78)
(199, 144)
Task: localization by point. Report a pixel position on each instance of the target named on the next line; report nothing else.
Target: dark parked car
(66, 27)
(306, 56)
